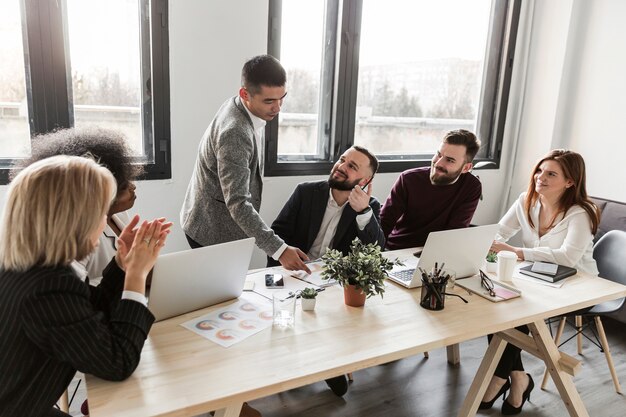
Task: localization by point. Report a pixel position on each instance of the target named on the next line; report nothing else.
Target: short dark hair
(262, 70)
(373, 160)
(107, 147)
(465, 138)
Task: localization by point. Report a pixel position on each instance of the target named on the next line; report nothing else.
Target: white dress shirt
(324, 239)
(258, 125)
(569, 242)
(96, 261)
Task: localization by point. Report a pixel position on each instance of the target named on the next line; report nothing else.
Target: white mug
(506, 265)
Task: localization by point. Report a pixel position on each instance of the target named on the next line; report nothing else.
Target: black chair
(609, 254)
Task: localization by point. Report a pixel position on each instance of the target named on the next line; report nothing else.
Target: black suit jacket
(300, 219)
(54, 324)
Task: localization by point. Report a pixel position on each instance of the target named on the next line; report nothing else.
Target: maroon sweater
(416, 207)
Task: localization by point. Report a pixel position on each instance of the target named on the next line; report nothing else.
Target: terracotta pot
(353, 296)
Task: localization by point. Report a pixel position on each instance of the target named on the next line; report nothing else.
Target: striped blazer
(54, 324)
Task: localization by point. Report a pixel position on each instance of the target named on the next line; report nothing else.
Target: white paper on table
(315, 277)
(231, 324)
(291, 283)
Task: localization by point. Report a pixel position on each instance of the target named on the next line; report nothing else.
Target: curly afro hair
(107, 147)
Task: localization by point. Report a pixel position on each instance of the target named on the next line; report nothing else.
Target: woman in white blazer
(558, 221)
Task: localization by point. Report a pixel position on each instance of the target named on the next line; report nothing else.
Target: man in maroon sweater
(440, 197)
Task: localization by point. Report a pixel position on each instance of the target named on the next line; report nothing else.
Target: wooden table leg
(483, 377)
(557, 337)
(564, 384)
(578, 320)
(232, 410)
(454, 354)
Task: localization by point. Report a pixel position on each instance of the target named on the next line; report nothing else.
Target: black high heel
(486, 405)
(508, 409)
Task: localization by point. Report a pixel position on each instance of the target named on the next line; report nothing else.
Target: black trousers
(193, 243)
(511, 359)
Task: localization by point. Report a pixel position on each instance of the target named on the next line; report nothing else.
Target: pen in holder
(433, 294)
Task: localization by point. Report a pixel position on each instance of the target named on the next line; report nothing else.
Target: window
(392, 76)
(14, 130)
(64, 64)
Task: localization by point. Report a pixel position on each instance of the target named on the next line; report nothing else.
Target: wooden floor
(417, 386)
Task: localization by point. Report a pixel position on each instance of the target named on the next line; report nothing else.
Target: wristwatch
(366, 210)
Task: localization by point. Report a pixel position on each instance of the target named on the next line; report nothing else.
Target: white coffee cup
(506, 265)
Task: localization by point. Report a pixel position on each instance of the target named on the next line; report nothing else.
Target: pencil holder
(433, 295)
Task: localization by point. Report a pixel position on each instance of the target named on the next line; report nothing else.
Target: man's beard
(342, 185)
(443, 178)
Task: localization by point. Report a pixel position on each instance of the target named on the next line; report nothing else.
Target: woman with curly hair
(109, 149)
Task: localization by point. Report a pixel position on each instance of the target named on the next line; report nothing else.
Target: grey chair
(609, 254)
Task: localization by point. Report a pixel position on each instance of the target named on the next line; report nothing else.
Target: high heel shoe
(508, 409)
(486, 405)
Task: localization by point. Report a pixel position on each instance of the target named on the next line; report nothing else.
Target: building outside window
(392, 76)
(85, 63)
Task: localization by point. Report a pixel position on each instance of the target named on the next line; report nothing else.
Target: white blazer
(96, 261)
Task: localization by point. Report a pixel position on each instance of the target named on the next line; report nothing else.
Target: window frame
(491, 114)
(49, 84)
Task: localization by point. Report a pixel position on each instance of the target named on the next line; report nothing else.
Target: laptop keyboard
(404, 276)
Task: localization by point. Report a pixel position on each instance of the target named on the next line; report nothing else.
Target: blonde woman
(53, 323)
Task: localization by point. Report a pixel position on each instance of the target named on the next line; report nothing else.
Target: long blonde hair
(52, 209)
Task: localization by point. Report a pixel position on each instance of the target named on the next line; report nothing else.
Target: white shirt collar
(332, 202)
(257, 122)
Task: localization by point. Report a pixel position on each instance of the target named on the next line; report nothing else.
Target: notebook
(561, 273)
(197, 278)
(462, 250)
(503, 291)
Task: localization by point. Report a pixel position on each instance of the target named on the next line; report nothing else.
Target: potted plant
(308, 298)
(491, 261)
(361, 272)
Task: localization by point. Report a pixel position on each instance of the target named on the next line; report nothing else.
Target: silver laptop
(197, 278)
(462, 250)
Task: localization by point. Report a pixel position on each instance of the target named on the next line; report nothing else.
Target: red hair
(573, 166)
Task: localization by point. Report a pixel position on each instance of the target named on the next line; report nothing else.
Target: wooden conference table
(183, 374)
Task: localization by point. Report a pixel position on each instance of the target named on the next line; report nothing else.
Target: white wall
(567, 90)
(574, 94)
(592, 117)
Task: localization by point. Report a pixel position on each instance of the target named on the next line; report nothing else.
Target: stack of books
(547, 271)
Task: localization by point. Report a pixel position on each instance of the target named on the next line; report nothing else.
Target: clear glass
(14, 125)
(284, 309)
(105, 54)
(301, 50)
(420, 72)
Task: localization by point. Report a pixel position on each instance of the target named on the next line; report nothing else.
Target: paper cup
(506, 265)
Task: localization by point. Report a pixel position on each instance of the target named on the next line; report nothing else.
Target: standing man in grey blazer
(224, 195)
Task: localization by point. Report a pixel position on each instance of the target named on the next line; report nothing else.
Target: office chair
(608, 253)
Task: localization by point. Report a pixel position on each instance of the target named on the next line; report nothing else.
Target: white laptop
(197, 278)
(462, 250)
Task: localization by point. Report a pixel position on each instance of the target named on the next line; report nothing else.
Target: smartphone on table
(274, 281)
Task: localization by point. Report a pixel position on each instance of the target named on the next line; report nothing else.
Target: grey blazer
(224, 195)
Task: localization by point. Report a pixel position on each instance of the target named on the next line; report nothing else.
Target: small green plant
(491, 256)
(308, 293)
(364, 267)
